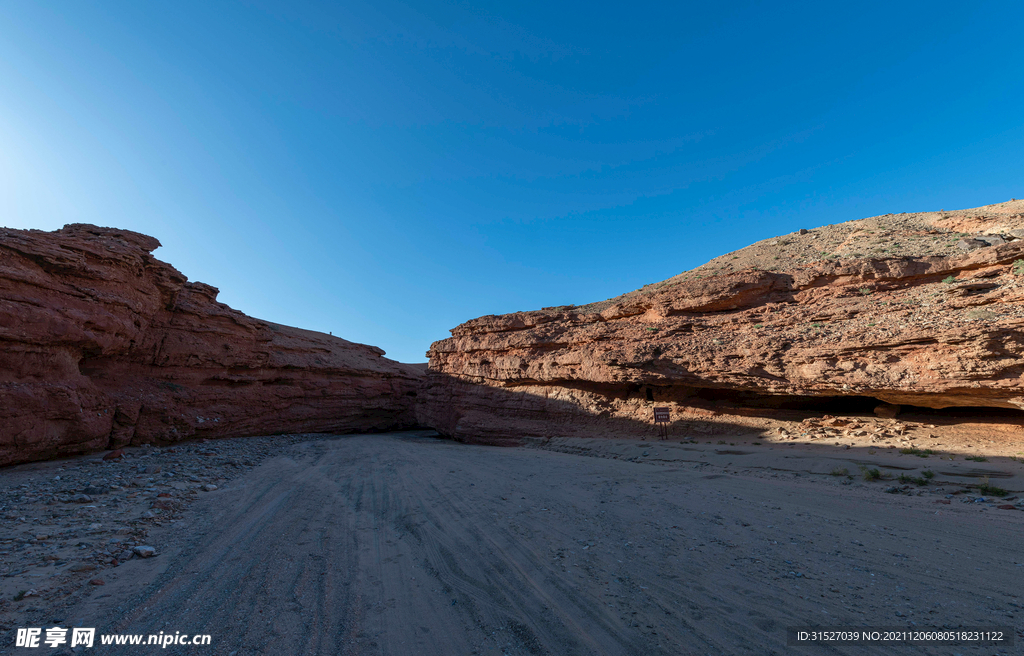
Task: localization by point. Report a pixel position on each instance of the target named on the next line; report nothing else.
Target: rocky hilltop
(920, 309)
(104, 345)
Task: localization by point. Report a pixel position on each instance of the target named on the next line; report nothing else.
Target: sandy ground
(407, 544)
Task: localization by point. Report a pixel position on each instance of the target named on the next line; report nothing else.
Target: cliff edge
(922, 309)
(103, 345)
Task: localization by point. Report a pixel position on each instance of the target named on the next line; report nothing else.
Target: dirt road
(404, 544)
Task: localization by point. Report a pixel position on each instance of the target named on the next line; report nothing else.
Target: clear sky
(386, 171)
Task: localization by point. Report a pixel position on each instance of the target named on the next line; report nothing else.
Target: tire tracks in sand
(404, 544)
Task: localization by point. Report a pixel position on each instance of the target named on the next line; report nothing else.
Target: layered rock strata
(102, 345)
(922, 309)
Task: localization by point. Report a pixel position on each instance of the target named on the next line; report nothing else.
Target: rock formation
(102, 345)
(919, 309)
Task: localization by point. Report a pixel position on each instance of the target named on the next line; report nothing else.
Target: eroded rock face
(102, 345)
(866, 318)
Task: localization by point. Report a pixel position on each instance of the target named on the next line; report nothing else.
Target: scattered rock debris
(63, 522)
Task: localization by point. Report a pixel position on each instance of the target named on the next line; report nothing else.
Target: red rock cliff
(103, 345)
(921, 309)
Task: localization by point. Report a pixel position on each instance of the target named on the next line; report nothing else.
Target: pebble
(209, 487)
(97, 582)
(144, 551)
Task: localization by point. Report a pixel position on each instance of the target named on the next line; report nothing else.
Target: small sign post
(661, 416)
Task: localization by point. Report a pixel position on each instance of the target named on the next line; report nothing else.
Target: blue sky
(386, 171)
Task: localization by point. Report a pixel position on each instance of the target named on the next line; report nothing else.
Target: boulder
(970, 244)
(991, 240)
(887, 410)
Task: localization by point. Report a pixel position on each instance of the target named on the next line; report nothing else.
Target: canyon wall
(905, 309)
(102, 345)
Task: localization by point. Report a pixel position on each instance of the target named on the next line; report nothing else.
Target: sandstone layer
(103, 345)
(919, 309)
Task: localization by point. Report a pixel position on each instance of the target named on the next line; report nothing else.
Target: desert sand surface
(404, 543)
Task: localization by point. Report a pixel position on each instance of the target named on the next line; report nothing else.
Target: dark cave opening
(839, 405)
(747, 402)
(732, 401)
